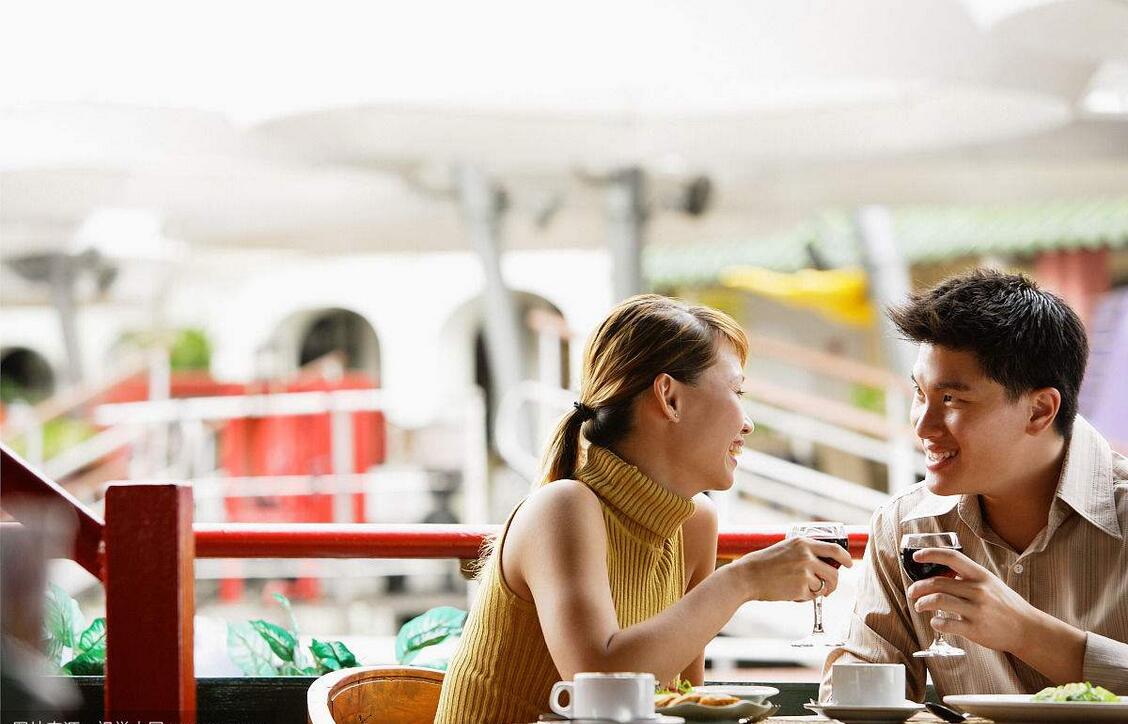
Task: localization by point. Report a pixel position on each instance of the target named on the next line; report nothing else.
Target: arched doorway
(467, 361)
(310, 335)
(25, 375)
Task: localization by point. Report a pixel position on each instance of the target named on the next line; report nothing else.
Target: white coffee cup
(621, 697)
(868, 684)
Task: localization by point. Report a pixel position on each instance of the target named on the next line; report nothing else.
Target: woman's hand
(790, 570)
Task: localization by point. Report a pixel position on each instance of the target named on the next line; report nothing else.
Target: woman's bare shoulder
(567, 501)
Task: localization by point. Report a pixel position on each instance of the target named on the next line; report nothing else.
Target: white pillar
(626, 218)
(482, 205)
(889, 283)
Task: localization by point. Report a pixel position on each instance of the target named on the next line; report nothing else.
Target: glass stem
(818, 615)
(939, 636)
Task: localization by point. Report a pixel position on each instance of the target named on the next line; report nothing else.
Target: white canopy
(260, 125)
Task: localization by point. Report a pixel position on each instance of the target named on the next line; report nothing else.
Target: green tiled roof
(925, 234)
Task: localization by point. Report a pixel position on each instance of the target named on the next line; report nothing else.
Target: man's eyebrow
(946, 385)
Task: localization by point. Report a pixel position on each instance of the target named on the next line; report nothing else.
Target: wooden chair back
(372, 694)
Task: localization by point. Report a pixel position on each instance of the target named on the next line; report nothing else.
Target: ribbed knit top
(502, 671)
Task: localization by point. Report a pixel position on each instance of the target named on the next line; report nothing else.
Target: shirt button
(1018, 568)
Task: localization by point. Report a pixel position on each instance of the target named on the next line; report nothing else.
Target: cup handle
(554, 698)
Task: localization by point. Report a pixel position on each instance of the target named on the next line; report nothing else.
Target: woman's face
(712, 424)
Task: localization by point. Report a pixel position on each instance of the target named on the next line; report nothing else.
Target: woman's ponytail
(563, 453)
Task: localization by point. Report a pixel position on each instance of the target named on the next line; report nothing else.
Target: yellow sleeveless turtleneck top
(502, 671)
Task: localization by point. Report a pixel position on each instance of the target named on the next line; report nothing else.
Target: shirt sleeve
(1106, 662)
(881, 629)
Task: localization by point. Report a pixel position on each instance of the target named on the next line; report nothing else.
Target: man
(1038, 498)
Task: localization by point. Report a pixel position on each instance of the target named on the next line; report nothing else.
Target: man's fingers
(943, 602)
(938, 584)
(952, 626)
(957, 561)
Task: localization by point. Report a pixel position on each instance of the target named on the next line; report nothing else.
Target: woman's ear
(666, 394)
(1044, 406)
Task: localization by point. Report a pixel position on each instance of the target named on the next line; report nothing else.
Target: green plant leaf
(249, 651)
(324, 656)
(281, 641)
(299, 655)
(190, 351)
(62, 618)
(87, 665)
(433, 627)
(288, 669)
(92, 642)
(343, 654)
(332, 655)
(52, 648)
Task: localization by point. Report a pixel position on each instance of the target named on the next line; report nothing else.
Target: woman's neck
(654, 462)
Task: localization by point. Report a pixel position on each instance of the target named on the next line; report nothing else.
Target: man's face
(973, 435)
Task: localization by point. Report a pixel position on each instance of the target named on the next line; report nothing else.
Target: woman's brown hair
(641, 338)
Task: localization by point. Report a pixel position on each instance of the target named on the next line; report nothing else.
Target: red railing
(364, 540)
(143, 553)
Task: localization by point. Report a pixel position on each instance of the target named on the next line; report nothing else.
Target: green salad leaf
(677, 686)
(1077, 692)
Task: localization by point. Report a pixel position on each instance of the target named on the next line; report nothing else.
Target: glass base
(939, 649)
(818, 639)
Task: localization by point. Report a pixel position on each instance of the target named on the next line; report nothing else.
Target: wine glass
(910, 544)
(831, 533)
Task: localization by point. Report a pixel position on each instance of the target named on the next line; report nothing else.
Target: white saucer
(856, 714)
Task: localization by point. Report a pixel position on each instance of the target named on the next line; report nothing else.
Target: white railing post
(160, 388)
(341, 451)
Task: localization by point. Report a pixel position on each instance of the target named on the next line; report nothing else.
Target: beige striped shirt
(1076, 570)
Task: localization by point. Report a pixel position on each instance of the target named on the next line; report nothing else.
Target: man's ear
(1045, 403)
(667, 394)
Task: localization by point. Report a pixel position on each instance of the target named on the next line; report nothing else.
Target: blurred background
(336, 262)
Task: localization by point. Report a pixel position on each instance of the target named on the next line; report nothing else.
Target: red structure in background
(299, 445)
(278, 446)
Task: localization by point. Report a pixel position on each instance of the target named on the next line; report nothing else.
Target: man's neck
(1018, 512)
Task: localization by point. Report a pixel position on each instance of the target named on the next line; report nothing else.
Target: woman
(609, 565)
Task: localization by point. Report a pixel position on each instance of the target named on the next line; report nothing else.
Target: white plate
(748, 692)
(730, 713)
(854, 714)
(1021, 707)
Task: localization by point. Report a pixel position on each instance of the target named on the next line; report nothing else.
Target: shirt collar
(1085, 485)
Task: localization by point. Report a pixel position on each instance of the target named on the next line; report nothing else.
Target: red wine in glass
(918, 571)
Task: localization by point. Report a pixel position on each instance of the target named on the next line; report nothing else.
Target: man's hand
(995, 616)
